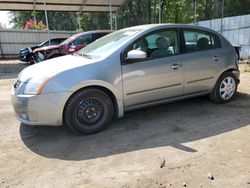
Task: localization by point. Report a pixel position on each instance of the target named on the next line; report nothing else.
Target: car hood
(47, 48)
(53, 66)
(23, 49)
(29, 48)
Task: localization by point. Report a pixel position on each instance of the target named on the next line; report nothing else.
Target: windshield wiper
(84, 55)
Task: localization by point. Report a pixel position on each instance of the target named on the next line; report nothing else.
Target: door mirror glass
(136, 54)
(72, 47)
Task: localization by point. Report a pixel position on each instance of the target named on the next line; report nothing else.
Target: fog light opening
(25, 116)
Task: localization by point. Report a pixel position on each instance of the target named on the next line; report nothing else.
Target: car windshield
(45, 43)
(108, 43)
(67, 40)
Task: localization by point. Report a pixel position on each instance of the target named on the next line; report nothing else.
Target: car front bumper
(44, 109)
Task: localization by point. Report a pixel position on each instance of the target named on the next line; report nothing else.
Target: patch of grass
(247, 68)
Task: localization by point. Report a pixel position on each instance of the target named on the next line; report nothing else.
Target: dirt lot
(164, 146)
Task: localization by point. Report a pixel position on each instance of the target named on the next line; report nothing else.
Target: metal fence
(235, 29)
(12, 40)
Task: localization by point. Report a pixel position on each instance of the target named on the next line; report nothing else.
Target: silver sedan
(129, 69)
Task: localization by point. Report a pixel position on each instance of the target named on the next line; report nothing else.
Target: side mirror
(136, 54)
(72, 48)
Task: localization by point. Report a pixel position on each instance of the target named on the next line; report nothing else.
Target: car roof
(59, 38)
(170, 25)
(92, 32)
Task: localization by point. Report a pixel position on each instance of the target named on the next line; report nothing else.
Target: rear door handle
(216, 58)
(175, 66)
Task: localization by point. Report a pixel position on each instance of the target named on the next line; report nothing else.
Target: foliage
(237, 7)
(179, 11)
(33, 24)
(57, 20)
(93, 21)
(136, 12)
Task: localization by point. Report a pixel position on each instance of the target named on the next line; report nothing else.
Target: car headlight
(24, 52)
(35, 85)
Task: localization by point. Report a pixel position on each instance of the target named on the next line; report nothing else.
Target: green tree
(236, 7)
(57, 20)
(93, 21)
(136, 12)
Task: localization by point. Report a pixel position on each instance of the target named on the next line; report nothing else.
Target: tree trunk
(149, 12)
(154, 14)
(138, 12)
(218, 8)
(176, 17)
(162, 3)
(131, 14)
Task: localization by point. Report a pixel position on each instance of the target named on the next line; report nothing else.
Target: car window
(44, 44)
(109, 43)
(83, 40)
(53, 42)
(199, 40)
(61, 40)
(66, 41)
(159, 44)
(99, 35)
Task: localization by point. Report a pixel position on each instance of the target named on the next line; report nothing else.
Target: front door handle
(175, 66)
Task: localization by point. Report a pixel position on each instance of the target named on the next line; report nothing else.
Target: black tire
(217, 93)
(31, 59)
(88, 111)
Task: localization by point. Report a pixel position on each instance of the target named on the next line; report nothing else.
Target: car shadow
(4, 76)
(167, 125)
(12, 68)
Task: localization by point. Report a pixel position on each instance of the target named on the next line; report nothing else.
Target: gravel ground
(173, 145)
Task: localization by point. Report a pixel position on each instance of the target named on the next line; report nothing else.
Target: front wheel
(39, 56)
(225, 88)
(88, 111)
(31, 59)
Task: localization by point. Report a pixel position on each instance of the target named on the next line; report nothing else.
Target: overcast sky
(4, 19)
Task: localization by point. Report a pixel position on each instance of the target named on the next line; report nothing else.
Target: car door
(201, 60)
(154, 78)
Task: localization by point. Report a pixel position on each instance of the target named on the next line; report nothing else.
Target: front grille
(18, 82)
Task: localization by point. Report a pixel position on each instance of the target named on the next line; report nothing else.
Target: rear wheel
(225, 88)
(88, 111)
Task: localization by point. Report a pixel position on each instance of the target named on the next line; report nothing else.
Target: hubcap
(90, 112)
(227, 88)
